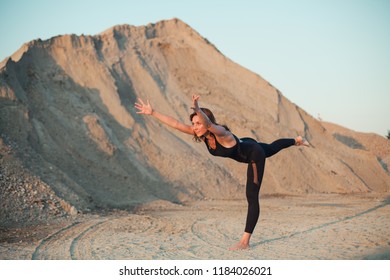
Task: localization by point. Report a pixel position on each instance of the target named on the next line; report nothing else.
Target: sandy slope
(301, 227)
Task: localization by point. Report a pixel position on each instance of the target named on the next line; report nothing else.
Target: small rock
(73, 211)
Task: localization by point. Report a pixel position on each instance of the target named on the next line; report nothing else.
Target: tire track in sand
(115, 238)
(83, 240)
(74, 245)
(204, 230)
(59, 244)
(324, 225)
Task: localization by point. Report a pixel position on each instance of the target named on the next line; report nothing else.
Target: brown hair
(211, 117)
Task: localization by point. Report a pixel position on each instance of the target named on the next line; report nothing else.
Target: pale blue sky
(330, 57)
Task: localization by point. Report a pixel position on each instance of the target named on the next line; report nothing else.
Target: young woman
(221, 142)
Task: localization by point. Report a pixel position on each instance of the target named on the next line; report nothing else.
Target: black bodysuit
(248, 150)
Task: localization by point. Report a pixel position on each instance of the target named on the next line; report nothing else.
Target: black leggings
(258, 152)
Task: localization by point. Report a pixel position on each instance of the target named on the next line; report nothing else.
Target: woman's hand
(143, 108)
(195, 104)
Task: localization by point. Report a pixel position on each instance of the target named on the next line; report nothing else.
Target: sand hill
(72, 141)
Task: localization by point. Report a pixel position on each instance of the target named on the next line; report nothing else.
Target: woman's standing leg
(255, 173)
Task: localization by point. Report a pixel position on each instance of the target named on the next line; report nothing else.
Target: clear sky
(330, 57)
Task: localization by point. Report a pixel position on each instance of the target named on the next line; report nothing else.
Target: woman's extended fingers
(143, 108)
(141, 102)
(139, 106)
(195, 97)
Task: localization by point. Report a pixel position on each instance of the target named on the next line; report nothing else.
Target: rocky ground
(26, 200)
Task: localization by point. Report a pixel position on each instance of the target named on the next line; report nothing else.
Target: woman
(221, 142)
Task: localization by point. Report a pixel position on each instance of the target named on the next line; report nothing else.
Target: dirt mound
(67, 105)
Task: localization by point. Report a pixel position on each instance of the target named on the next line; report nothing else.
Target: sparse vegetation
(388, 134)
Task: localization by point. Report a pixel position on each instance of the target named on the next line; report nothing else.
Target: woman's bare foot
(243, 244)
(300, 141)
(239, 246)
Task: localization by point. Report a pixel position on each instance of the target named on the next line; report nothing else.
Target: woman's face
(198, 127)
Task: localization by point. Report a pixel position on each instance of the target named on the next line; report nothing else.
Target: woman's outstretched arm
(147, 109)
